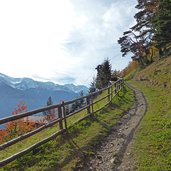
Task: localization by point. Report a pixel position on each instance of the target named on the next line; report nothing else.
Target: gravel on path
(114, 152)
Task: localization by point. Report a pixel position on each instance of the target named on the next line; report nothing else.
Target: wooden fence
(62, 119)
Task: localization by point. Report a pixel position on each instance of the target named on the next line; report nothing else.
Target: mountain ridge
(26, 83)
(34, 93)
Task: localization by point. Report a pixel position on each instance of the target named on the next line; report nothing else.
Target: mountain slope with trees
(150, 33)
(149, 40)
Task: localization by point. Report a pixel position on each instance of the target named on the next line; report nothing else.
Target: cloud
(97, 38)
(61, 41)
(66, 80)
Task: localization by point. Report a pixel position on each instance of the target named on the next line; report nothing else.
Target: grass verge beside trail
(152, 147)
(67, 150)
(49, 131)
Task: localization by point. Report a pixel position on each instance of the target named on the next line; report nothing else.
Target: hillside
(151, 148)
(157, 74)
(69, 150)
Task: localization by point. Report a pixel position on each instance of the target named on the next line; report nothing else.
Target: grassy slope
(47, 132)
(65, 151)
(152, 147)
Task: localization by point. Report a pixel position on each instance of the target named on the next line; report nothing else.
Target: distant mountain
(35, 93)
(77, 89)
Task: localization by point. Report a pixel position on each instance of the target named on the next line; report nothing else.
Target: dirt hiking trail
(113, 153)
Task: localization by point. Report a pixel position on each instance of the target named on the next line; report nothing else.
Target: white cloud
(56, 40)
(98, 38)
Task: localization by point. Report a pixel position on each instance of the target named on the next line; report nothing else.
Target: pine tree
(75, 106)
(82, 100)
(163, 23)
(99, 78)
(138, 38)
(107, 72)
(49, 114)
(49, 101)
(92, 86)
(103, 74)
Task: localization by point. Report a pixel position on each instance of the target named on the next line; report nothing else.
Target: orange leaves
(17, 127)
(152, 6)
(22, 107)
(3, 133)
(131, 66)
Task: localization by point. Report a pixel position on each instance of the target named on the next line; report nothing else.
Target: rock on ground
(114, 152)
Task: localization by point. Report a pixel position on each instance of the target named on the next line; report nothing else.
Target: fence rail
(112, 91)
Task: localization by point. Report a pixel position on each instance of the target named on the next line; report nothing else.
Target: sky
(62, 40)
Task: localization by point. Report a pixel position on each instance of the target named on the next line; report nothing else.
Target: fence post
(115, 87)
(64, 114)
(88, 104)
(111, 92)
(118, 86)
(60, 117)
(92, 107)
(108, 94)
(121, 84)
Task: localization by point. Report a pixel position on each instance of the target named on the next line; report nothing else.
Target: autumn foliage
(18, 127)
(131, 67)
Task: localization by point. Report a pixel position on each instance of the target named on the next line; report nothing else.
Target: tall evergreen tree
(78, 103)
(162, 23)
(82, 100)
(49, 101)
(103, 74)
(92, 86)
(138, 38)
(49, 114)
(107, 72)
(100, 77)
(132, 42)
(75, 106)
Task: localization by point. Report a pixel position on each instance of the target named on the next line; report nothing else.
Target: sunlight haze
(62, 41)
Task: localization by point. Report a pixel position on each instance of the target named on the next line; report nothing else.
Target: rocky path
(114, 152)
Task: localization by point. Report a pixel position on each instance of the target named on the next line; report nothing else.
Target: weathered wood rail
(111, 90)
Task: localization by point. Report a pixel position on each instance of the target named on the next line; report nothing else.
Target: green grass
(47, 132)
(67, 150)
(152, 147)
(83, 113)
